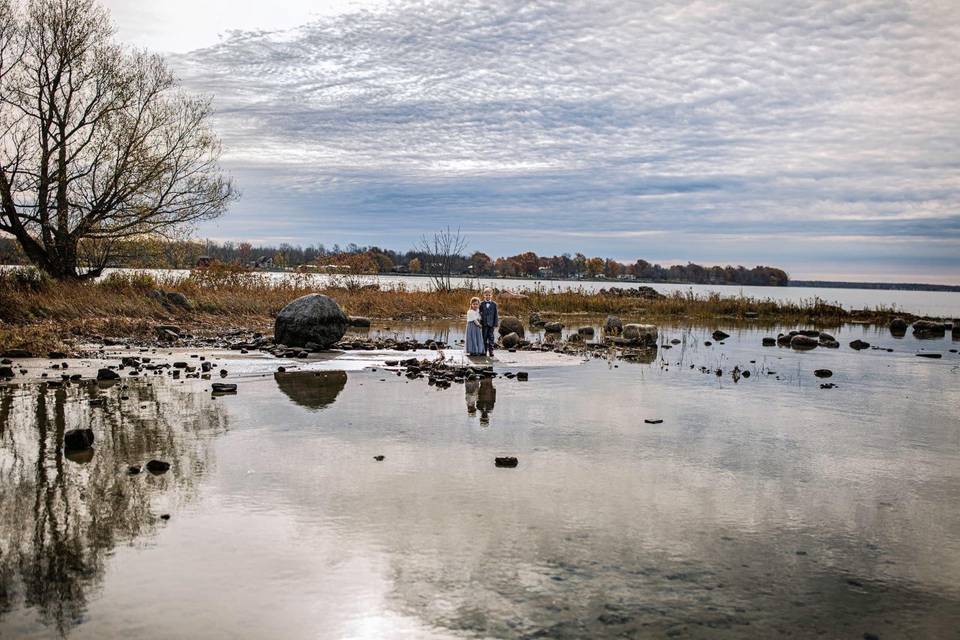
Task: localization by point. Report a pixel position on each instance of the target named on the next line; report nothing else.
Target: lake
(760, 506)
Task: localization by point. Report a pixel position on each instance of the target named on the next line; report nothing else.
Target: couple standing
(482, 320)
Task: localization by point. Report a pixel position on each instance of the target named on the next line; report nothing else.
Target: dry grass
(41, 314)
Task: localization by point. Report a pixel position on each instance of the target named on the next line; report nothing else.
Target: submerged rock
(224, 387)
(379, 458)
(720, 335)
(553, 327)
(653, 420)
(859, 345)
(107, 374)
(769, 342)
(17, 353)
(506, 461)
(932, 356)
(311, 318)
(6, 372)
(358, 321)
(823, 373)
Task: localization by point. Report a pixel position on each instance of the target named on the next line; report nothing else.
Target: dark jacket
(488, 313)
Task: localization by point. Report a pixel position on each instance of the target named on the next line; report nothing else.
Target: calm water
(943, 304)
(758, 508)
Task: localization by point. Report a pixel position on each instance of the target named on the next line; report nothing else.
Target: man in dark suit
(489, 319)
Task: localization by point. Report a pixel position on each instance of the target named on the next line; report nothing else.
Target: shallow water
(758, 507)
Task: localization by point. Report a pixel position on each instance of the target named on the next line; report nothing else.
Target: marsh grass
(39, 313)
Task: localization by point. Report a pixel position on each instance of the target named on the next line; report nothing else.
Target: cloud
(598, 118)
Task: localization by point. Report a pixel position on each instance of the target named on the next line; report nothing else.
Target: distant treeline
(902, 286)
(356, 259)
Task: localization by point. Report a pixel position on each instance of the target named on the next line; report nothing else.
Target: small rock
(522, 376)
(653, 420)
(802, 342)
(510, 341)
(553, 327)
(932, 356)
(823, 373)
(859, 345)
(720, 335)
(507, 461)
(379, 458)
(157, 467)
(6, 372)
(134, 469)
(17, 353)
(107, 374)
(613, 325)
(224, 387)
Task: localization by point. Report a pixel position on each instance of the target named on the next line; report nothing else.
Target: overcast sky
(822, 137)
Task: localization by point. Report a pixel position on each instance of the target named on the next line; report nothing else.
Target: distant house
(400, 268)
(203, 261)
(545, 272)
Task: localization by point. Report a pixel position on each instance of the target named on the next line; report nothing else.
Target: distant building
(400, 268)
(204, 261)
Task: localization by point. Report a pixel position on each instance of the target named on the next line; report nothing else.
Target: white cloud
(598, 117)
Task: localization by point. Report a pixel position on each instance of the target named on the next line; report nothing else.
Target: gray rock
(613, 326)
(898, 327)
(823, 373)
(511, 324)
(641, 333)
(928, 329)
(311, 318)
(802, 342)
(358, 321)
(107, 374)
(506, 461)
(585, 331)
(535, 320)
(6, 372)
(510, 341)
(859, 345)
(178, 299)
(553, 327)
(769, 342)
(224, 387)
(17, 353)
(720, 335)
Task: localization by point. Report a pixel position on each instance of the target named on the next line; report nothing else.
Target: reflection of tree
(312, 389)
(61, 518)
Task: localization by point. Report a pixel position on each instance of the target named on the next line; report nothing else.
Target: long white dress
(474, 342)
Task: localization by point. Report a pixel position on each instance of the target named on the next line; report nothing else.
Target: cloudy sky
(822, 137)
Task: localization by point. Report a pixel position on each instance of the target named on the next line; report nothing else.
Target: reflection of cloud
(729, 117)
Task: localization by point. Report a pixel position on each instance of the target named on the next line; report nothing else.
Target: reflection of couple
(482, 319)
(482, 395)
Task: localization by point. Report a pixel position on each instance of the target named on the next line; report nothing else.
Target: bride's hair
(474, 299)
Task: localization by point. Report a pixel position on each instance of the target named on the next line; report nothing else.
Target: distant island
(900, 286)
(150, 253)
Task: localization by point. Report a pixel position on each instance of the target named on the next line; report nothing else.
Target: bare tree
(442, 252)
(97, 142)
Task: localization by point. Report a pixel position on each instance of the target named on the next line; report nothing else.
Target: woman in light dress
(474, 332)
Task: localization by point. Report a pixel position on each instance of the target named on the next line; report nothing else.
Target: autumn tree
(97, 142)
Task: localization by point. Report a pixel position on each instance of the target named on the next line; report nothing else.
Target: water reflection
(313, 390)
(63, 514)
(482, 395)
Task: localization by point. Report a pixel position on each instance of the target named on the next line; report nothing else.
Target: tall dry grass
(35, 310)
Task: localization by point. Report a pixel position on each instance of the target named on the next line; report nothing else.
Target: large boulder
(613, 326)
(511, 324)
(641, 333)
(311, 318)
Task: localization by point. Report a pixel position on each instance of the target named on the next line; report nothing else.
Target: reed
(39, 313)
